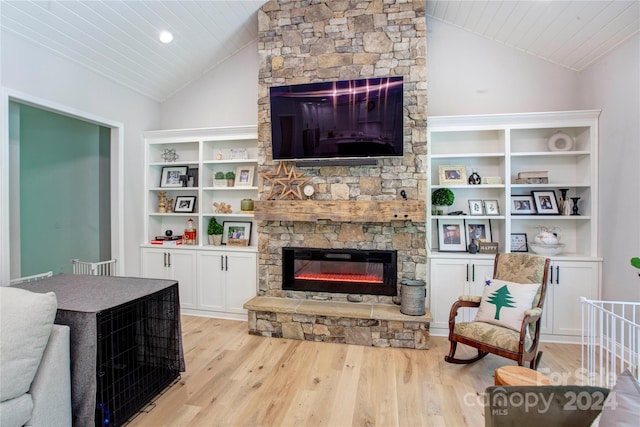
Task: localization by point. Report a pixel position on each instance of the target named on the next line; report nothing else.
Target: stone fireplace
(312, 41)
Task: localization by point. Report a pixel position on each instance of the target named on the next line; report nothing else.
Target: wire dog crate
(136, 355)
(610, 340)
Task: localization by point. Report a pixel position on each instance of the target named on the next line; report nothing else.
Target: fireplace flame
(340, 277)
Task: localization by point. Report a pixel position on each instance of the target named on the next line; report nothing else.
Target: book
(166, 242)
(533, 174)
(532, 181)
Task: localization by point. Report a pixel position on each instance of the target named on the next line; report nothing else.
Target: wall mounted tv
(346, 119)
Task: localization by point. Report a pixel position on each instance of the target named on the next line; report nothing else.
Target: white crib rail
(610, 340)
(103, 268)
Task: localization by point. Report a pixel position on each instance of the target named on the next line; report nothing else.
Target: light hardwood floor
(237, 379)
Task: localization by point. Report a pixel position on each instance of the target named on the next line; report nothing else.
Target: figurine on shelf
(170, 205)
(222, 207)
(162, 206)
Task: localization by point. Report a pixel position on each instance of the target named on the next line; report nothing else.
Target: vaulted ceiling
(119, 39)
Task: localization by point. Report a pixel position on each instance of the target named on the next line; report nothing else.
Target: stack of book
(533, 177)
(164, 240)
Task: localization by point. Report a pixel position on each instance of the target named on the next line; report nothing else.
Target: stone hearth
(368, 324)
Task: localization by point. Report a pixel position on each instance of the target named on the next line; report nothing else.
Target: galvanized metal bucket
(412, 297)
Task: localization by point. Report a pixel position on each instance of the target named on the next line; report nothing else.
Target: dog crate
(137, 355)
(610, 341)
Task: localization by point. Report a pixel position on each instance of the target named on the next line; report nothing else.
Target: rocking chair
(522, 345)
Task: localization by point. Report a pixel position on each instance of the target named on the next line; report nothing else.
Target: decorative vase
(575, 205)
(231, 182)
(246, 205)
(441, 210)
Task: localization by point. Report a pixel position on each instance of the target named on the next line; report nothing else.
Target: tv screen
(338, 120)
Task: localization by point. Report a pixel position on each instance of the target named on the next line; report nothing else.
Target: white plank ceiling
(119, 39)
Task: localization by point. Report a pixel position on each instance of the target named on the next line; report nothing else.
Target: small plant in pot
(219, 180)
(214, 231)
(230, 177)
(441, 199)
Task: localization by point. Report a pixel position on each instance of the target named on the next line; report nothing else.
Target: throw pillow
(26, 320)
(504, 303)
(623, 403)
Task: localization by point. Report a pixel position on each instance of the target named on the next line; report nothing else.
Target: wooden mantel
(340, 210)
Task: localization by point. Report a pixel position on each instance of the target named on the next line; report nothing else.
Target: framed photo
(236, 233)
(451, 237)
(478, 230)
(546, 202)
(192, 177)
(522, 205)
(185, 204)
(244, 176)
(452, 175)
(519, 242)
(491, 207)
(171, 176)
(475, 207)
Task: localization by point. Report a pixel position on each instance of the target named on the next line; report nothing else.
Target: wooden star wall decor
(285, 182)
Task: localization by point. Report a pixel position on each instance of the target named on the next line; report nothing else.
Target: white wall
(468, 74)
(29, 69)
(225, 96)
(613, 84)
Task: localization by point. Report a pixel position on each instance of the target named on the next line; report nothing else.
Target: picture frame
(491, 207)
(478, 230)
(171, 176)
(522, 205)
(452, 175)
(185, 204)
(192, 173)
(546, 202)
(236, 233)
(451, 236)
(238, 154)
(476, 208)
(244, 176)
(519, 242)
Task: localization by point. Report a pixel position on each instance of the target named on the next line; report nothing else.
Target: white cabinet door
(211, 278)
(448, 280)
(174, 264)
(183, 269)
(241, 269)
(154, 264)
(568, 281)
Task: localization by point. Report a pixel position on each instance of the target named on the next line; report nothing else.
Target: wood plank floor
(237, 379)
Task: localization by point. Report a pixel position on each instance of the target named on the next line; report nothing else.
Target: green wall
(64, 170)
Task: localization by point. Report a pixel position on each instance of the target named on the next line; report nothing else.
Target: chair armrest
(471, 298)
(462, 302)
(51, 387)
(535, 312)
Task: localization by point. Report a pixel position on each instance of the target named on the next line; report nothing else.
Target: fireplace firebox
(350, 271)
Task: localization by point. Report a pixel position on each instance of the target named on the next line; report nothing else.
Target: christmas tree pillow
(503, 303)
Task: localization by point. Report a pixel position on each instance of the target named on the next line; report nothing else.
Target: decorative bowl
(548, 250)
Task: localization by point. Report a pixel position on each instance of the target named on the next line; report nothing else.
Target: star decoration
(285, 182)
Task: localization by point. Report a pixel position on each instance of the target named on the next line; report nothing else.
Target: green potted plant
(230, 177)
(214, 231)
(441, 199)
(219, 180)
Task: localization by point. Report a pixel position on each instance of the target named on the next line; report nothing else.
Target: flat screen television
(346, 119)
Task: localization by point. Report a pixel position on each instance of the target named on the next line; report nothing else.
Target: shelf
(230, 188)
(340, 211)
(549, 153)
(552, 185)
(469, 186)
(468, 216)
(229, 161)
(173, 189)
(551, 217)
(229, 215)
(465, 155)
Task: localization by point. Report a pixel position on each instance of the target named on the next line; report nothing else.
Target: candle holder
(575, 205)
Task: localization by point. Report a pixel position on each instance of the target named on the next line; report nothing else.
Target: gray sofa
(34, 361)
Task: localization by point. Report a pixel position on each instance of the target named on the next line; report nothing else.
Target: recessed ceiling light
(166, 37)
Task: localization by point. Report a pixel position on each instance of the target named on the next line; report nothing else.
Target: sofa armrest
(534, 406)
(51, 387)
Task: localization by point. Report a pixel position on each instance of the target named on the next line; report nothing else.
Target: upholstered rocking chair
(519, 343)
